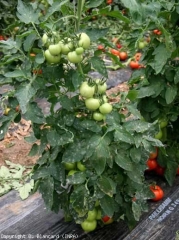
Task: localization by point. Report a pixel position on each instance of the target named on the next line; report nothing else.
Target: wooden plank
(30, 218)
(162, 223)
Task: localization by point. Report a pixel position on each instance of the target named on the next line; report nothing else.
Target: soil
(14, 148)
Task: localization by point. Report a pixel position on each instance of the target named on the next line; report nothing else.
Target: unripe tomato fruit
(98, 116)
(69, 166)
(89, 226)
(159, 135)
(158, 192)
(105, 108)
(50, 58)
(102, 88)
(87, 91)
(163, 123)
(92, 103)
(54, 49)
(98, 216)
(71, 172)
(66, 47)
(152, 164)
(153, 154)
(73, 57)
(44, 38)
(79, 50)
(81, 166)
(84, 41)
(92, 215)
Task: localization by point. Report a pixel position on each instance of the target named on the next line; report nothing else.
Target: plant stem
(79, 10)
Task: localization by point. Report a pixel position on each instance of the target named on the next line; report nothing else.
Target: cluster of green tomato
(73, 48)
(162, 134)
(95, 98)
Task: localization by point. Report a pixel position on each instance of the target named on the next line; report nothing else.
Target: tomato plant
(83, 160)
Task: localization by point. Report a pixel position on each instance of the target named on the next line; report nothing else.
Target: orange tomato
(154, 154)
(123, 56)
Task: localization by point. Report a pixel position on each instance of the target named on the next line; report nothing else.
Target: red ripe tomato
(154, 154)
(178, 171)
(101, 47)
(158, 192)
(123, 56)
(155, 31)
(115, 52)
(134, 64)
(159, 33)
(105, 218)
(159, 170)
(2, 38)
(37, 71)
(109, 2)
(118, 45)
(152, 164)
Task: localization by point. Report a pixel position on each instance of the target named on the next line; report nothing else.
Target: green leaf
(96, 33)
(132, 94)
(29, 41)
(176, 77)
(57, 171)
(25, 190)
(161, 55)
(138, 126)
(123, 160)
(170, 172)
(56, 7)
(15, 74)
(146, 92)
(121, 135)
(34, 113)
(104, 184)
(76, 80)
(67, 103)
(115, 14)
(135, 155)
(135, 175)
(94, 3)
(91, 125)
(58, 139)
(108, 205)
(46, 188)
(26, 13)
(171, 93)
(74, 153)
(4, 172)
(24, 95)
(99, 65)
(136, 209)
(39, 58)
(76, 178)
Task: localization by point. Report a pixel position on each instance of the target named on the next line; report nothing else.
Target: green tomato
(54, 49)
(105, 99)
(79, 50)
(92, 215)
(89, 226)
(141, 45)
(69, 166)
(50, 58)
(86, 91)
(98, 216)
(71, 172)
(98, 116)
(66, 47)
(159, 135)
(84, 41)
(73, 57)
(92, 103)
(44, 38)
(105, 108)
(102, 88)
(163, 123)
(81, 166)
(97, 203)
